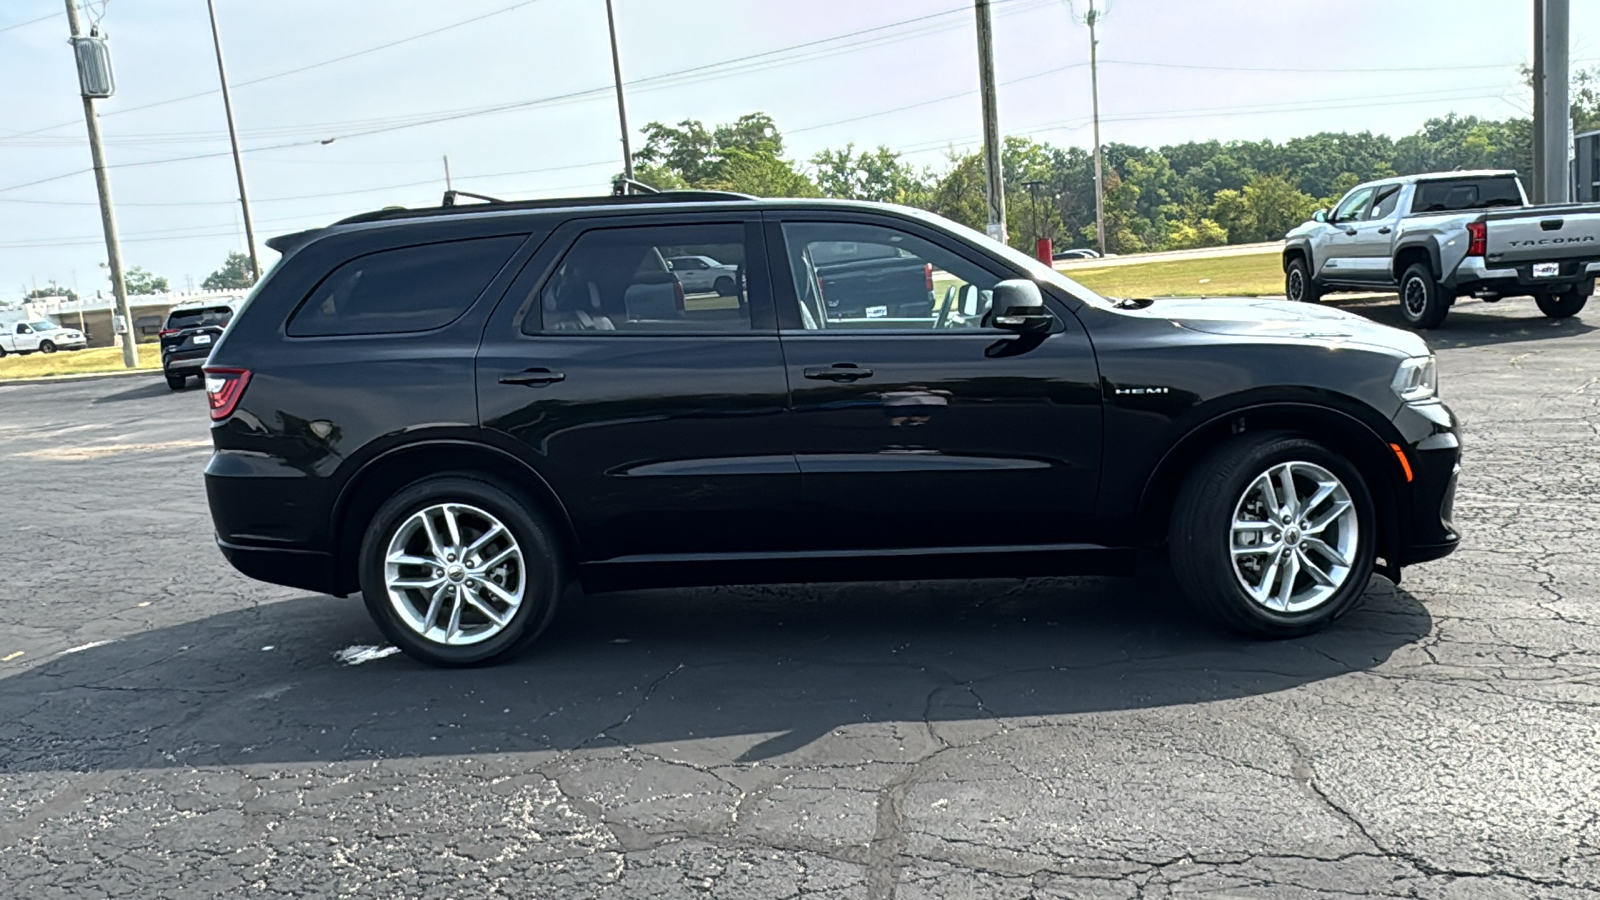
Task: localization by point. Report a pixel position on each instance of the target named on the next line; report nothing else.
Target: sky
(350, 105)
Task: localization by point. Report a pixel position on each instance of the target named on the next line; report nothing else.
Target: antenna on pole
(448, 187)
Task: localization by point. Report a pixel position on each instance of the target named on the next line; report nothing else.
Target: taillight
(169, 332)
(224, 387)
(1477, 238)
(927, 275)
(677, 293)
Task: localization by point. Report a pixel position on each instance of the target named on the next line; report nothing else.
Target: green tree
(1199, 233)
(879, 175)
(762, 175)
(234, 274)
(50, 289)
(745, 155)
(139, 280)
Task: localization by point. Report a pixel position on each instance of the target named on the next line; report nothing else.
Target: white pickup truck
(29, 335)
(1439, 236)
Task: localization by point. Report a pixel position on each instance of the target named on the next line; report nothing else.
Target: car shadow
(766, 671)
(158, 388)
(1472, 322)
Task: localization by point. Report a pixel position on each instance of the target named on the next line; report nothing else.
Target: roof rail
(448, 209)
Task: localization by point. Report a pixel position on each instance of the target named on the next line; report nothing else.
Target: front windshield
(42, 326)
(1035, 269)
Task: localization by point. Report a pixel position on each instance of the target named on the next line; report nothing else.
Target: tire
(724, 286)
(2, 353)
(1297, 283)
(469, 637)
(1249, 596)
(47, 347)
(1423, 302)
(1567, 303)
(176, 382)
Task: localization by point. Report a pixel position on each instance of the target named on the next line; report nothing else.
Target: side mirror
(1017, 305)
(1320, 215)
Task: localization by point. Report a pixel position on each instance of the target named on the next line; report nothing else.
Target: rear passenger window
(619, 279)
(401, 290)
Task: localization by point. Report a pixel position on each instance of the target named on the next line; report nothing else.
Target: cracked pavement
(173, 729)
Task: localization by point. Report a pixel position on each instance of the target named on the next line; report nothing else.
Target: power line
(30, 22)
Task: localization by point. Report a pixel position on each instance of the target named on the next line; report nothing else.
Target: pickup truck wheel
(724, 286)
(176, 382)
(1297, 284)
(1422, 302)
(1564, 304)
(1273, 535)
(457, 571)
(46, 347)
(2, 353)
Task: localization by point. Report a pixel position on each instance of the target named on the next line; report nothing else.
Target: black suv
(188, 337)
(459, 412)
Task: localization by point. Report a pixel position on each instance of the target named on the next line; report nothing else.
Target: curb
(81, 376)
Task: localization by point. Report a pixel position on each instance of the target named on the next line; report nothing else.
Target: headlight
(1417, 379)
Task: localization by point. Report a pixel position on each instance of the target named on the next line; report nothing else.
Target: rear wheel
(457, 571)
(1422, 300)
(1273, 535)
(1297, 283)
(47, 347)
(1567, 303)
(724, 286)
(176, 382)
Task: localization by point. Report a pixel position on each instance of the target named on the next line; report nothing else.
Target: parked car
(1078, 253)
(459, 411)
(35, 335)
(190, 331)
(702, 274)
(1442, 235)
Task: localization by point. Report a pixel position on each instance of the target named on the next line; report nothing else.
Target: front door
(1370, 245)
(656, 413)
(1334, 246)
(930, 430)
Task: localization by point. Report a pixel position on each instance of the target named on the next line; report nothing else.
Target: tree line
(1192, 194)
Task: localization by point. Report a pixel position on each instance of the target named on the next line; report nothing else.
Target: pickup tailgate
(1543, 234)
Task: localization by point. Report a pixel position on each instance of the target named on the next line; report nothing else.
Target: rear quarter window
(402, 290)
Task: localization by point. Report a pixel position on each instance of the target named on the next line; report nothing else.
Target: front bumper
(1427, 504)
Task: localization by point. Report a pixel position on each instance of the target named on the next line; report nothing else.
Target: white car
(702, 275)
(41, 336)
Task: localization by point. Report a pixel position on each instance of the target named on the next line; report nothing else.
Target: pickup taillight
(224, 387)
(1477, 238)
(927, 276)
(677, 293)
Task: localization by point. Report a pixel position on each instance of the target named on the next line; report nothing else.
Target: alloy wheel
(454, 574)
(1294, 537)
(1297, 285)
(1415, 297)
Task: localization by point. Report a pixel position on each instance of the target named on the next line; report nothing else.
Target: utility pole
(108, 219)
(233, 137)
(1094, 95)
(622, 108)
(991, 126)
(1552, 123)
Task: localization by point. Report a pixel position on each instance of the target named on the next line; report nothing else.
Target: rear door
(932, 431)
(655, 411)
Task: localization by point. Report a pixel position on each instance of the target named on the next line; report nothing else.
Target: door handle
(533, 377)
(838, 372)
(1349, 230)
(1385, 230)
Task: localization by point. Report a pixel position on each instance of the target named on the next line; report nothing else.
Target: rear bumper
(1475, 273)
(185, 360)
(306, 569)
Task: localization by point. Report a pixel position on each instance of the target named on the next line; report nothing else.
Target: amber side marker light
(1404, 463)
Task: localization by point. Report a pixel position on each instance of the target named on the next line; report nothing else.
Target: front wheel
(457, 571)
(1273, 535)
(724, 286)
(1565, 304)
(46, 347)
(1422, 301)
(1297, 284)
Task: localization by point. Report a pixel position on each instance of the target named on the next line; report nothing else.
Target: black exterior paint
(705, 458)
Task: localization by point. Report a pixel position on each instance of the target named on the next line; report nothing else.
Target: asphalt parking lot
(169, 728)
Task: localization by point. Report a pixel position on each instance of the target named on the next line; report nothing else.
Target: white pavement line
(356, 654)
(89, 646)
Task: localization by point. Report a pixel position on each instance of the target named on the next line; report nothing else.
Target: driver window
(1352, 207)
(857, 277)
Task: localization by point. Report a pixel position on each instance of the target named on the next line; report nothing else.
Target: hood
(1257, 318)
